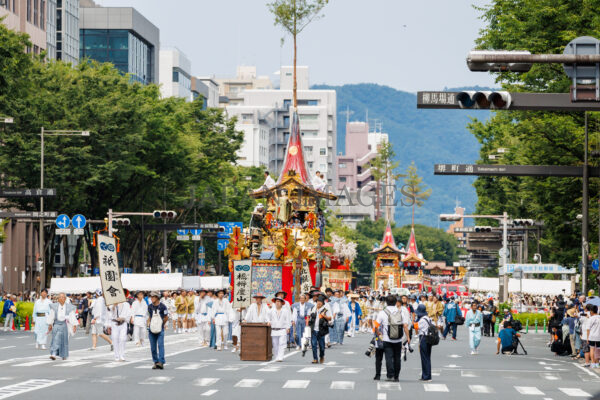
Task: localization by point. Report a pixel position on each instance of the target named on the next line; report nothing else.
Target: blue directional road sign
(127, 270)
(78, 221)
(228, 229)
(196, 232)
(201, 262)
(222, 244)
(201, 249)
(183, 232)
(595, 265)
(63, 221)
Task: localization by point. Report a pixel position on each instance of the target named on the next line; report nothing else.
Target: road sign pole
(41, 233)
(504, 256)
(585, 212)
(110, 222)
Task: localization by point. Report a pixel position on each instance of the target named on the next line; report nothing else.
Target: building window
(308, 150)
(28, 10)
(308, 102)
(323, 151)
(36, 6)
(43, 14)
(342, 165)
(286, 121)
(175, 76)
(342, 179)
(308, 117)
(310, 164)
(287, 103)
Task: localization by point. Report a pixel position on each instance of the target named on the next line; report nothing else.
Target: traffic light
(495, 66)
(164, 214)
(121, 222)
(450, 217)
(523, 222)
(483, 229)
(484, 100)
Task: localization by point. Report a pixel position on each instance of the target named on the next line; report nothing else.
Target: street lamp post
(42, 253)
(503, 295)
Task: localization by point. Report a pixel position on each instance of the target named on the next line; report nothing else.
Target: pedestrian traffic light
(121, 222)
(523, 222)
(164, 214)
(484, 99)
(483, 229)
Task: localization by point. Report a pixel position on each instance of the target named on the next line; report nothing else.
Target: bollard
(544, 326)
(536, 326)
(527, 326)
(496, 326)
(27, 323)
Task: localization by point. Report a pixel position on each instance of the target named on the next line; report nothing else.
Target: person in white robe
(221, 316)
(41, 309)
(139, 318)
(258, 311)
(61, 320)
(204, 318)
(280, 320)
(236, 328)
(99, 320)
(116, 321)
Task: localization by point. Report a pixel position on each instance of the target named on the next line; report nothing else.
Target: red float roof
(294, 157)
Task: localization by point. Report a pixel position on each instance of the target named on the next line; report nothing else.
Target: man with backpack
(393, 326)
(428, 337)
(157, 321)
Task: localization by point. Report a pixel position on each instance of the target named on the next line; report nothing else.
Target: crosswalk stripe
(192, 366)
(205, 381)
(388, 386)
(7, 347)
(342, 385)
(72, 364)
(209, 392)
(529, 390)
(311, 369)
(350, 371)
(231, 368)
(156, 380)
(435, 387)
(270, 369)
(26, 386)
(469, 374)
(296, 384)
(381, 396)
(574, 392)
(481, 389)
(248, 383)
(32, 363)
(550, 377)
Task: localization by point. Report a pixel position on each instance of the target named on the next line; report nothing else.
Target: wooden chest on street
(256, 342)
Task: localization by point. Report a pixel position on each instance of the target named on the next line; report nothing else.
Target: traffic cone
(27, 323)
(13, 327)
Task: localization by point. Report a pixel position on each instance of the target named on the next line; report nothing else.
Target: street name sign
(513, 170)
(29, 214)
(9, 192)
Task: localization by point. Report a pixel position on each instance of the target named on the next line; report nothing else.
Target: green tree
(383, 168)
(533, 137)
(415, 189)
(293, 16)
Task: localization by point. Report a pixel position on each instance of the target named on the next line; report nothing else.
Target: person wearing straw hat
(221, 315)
(280, 320)
(257, 312)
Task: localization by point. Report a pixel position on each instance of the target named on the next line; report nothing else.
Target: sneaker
(155, 366)
(233, 350)
(160, 365)
(37, 345)
(473, 353)
(377, 378)
(43, 347)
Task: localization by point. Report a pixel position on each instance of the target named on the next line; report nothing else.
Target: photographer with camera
(508, 339)
(392, 324)
(319, 324)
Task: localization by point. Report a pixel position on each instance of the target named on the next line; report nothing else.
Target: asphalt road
(346, 374)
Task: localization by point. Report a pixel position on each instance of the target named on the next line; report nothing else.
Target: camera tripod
(521, 344)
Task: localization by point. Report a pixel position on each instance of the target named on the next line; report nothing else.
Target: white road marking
(32, 363)
(550, 377)
(9, 347)
(311, 369)
(156, 380)
(574, 392)
(145, 366)
(347, 352)
(331, 363)
(109, 379)
(451, 366)
(435, 387)
(248, 383)
(529, 390)
(26, 386)
(68, 364)
(350, 371)
(469, 374)
(209, 392)
(205, 382)
(284, 357)
(231, 368)
(21, 337)
(454, 356)
(381, 396)
(587, 370)
(481, 389)
(192, 366)
(342, 385)
(80, 338)
(388, 386)
(270, 369)
(296, 384)
(210, 360)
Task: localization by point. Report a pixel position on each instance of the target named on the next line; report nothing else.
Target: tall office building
(264, 116)
(27, 16)
(175, 74)
(67, 30)
(121, 36)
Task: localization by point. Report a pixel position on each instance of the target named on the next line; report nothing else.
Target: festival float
(281, 249)
(387, 273)
(412, 265)
(337, 273)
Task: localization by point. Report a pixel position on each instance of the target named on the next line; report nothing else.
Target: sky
(408, 45)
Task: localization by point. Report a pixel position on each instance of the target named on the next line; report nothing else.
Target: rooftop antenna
(348, 113)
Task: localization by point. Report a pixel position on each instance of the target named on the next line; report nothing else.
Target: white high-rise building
(175, 76)
(264, 115)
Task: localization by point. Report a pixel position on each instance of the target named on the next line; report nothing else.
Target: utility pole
(41, 233)
(585, 211)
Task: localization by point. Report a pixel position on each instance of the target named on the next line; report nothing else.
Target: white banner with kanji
(305, 278)
(110, 279)
(242, 283)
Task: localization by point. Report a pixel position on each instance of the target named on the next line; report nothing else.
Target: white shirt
(121, 310)
(594, 327)
(318, 183)
(302, 311)
(424, 325)
(61, 312)
(224, 311)
(139, 312)
(382, 320)
(269, 182)
(319, 312)
(254, 316)
(280, 321)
